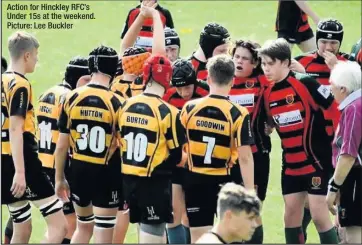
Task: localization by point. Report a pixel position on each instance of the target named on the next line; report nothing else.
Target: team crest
(249, 84)
(289, 99)
(316, 182)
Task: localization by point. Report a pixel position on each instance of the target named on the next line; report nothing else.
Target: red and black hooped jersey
(316, 67)
(294, 104)
(248, 92)
(200, 68)
(291, 18)
(172, 97)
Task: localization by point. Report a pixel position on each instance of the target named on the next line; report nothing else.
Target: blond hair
(21, 42)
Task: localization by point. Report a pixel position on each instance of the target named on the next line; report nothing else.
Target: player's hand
(330, 59)
(19, 184)
(148, 7)
(268, 130)
(296, 66)
(62, 190)
(331, 199)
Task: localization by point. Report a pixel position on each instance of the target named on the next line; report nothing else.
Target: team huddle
(143, 136)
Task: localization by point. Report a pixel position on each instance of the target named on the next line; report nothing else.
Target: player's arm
(321, 94)
(19, 103)
(304, 6)
(244, 138)
(158, 46)
(296, 66)
(125, 28)
(169, 20)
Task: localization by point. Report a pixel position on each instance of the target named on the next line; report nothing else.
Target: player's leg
(294, 194)
(122, 223)
(85, 224)
(185, 221)
(307, 218)
(307, 41)
(354, 234)
(71, 218)
(318, 184)
(289, 37)
(8, 234)
(105, 219)
(21, 215)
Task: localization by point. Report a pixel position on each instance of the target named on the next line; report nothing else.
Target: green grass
(244, 19)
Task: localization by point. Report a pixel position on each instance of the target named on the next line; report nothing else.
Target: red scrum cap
(159, 68)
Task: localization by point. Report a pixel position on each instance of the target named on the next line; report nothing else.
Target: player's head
(76, 69)
(214, 40)
(329, 35)
(345, 79)
(103, 60)
(133, 60)
(4, 65)
(184, 78)
(157, 69)
(23, 48)
(275, 59)
(172, 43)
(245, 56)
(221, 71)
(238, 209)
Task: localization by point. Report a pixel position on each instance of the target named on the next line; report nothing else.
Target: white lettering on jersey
(144, 42)
(246, 100)
(288, 118)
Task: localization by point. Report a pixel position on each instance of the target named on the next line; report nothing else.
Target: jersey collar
(151, 95)
(17, 73)
(215, 96)
(349, 99)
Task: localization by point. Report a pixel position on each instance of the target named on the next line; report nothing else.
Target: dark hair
(221, 69)
(253, 49)
(4, 64)
(103, 59)
(276, 49)
(77, 67)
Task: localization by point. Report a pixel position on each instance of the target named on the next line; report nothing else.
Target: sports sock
(176, 235)
(294, 235)
(187, 234)
(306, 220)
(257, 237)
(328, 237)
(66, 241)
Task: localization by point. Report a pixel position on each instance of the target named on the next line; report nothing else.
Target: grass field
(244, 19)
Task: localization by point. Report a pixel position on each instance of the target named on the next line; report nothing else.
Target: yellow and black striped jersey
(126, 89)
(16, 100)
(215, 127)
(48, 112)
(89, 116)
(149, 129)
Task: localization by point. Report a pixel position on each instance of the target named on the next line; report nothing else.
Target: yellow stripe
(199, 149)
(133, 170)
(192, 125)
(210, 171)
(5, 148)
(47, 160)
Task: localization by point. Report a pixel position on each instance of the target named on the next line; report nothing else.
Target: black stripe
(235, 113)
(190, 107)
(287, 135)
(198, 161)
(46, 150)
(295, 149)
(220, 140)
(164, 110)
(74, 96)
(151, 135)
(49, 99)
(141, 108)
(104, 218)
(93, 101)
(115, 103)
(212, 112)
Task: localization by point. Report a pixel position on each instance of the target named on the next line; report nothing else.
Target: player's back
(89, 115)
(127, 89)
(148, 128)
(48, 112)
(213, 127)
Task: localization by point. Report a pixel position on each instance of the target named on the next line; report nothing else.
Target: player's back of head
(211, 36)
(221, 70)
(103, 60)
(4, 65)
(183, 73)
(133, 60)
(158, 69)
(77, 68)
(21, 42)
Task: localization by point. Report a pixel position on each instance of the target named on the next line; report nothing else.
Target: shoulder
(343, 56)
(169, 93)
(304, 58)
(202, 88)
(208, 238)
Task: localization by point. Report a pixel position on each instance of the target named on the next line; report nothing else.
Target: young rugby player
(237, 210)
(218, 133)
(293, 101)
(21, 169)
(87, 125)
(173, 44)
(48, 112)
(247, 90)
(214, 40)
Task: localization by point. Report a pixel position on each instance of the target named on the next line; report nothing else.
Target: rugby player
(48, 112)
(214, 40)
(294, 102)
(145, 39)
(87, 125)
(247, 90)
(292, 24)
(21, 169)
(173, 44)
(356, 52)
(218, 132)
(237, 210)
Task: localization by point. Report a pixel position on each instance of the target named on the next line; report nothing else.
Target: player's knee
(154, 229)
(20, 214)
(72, 223)
(51, 207)
(104, 222)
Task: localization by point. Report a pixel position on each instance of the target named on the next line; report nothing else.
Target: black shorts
(350, 211)
(38, 184)
(149, 199)
(261, 173)
(178, 175)
(315, 183)
(68, 207)
(296, 37)
(94, 184)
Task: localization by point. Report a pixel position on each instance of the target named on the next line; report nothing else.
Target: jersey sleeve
(19, 98)
(125, 27)
(64, 122)
(175, 135)
(243, 133)
(169, 20)
(321, 94)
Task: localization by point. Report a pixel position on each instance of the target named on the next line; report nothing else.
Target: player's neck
(199, 54)
(17, 67)
(283, 75)
(221, 91)
(100, 79)
(155, 89)
(223, 232)
(129, 77)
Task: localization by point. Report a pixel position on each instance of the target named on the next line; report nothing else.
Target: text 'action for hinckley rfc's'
(56, 16)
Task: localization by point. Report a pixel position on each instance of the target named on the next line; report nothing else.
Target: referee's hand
(62, 190)
(331, 199)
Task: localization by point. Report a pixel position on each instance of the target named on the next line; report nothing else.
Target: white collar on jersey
(350, 98)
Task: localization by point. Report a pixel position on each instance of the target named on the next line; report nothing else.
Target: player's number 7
(209, 148)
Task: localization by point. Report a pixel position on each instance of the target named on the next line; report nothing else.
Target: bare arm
(158, 34)
(344, 165)
(60, 156)
(246, 163)
(132, 34)
(303, 5)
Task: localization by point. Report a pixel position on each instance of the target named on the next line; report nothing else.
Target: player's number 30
(95, 138)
